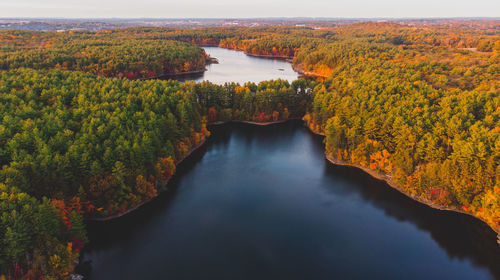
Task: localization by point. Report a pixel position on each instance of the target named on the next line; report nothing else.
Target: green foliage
(417, 103)
(102, 55)
(32, 231)
(69, 134)
(425, 115)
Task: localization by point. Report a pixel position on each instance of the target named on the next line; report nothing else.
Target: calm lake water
(263, 203)
(235, 66)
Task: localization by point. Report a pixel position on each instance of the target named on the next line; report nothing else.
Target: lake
(264, 203)
(236, 66)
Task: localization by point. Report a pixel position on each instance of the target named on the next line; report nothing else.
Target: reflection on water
(235, 66)
(263, 203)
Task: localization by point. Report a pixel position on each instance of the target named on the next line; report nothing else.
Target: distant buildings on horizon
(60, 24)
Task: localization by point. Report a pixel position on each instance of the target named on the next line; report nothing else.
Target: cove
(236, 66)
(264, 203)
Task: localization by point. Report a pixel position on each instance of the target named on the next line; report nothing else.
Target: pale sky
(248, 8)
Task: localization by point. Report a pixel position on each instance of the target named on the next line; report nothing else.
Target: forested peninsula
(83, 136)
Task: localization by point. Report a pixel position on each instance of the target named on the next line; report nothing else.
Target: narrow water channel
(235, 66)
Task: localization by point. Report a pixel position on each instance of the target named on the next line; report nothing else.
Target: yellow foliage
(241, 89)
(69, 248)
(55, 261)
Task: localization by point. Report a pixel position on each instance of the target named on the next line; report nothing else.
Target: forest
(426, 115)
(77, 144)
(100, 55)
(84, 136)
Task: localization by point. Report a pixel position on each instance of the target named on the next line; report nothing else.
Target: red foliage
(78, 245)
(75, 205)
(261, 117)
(17, 270)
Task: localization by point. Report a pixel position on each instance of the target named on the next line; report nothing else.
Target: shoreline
(280, 57)
(296, 68)
(165, 182)
(301, 71)
(382, 177)
(391, 183)
(170, 75)
(271, 56)
(253, 122)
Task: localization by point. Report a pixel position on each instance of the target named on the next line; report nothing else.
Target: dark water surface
(236, 66)
(263, 203)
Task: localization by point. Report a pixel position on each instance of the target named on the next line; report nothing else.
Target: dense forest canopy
(105, 145)
(423, 113)
(105, 55)
(419, 104)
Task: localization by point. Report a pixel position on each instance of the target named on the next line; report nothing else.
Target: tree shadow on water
(102, 234)
(460, 235)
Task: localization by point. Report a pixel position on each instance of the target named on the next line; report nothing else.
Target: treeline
(273, 46)
(149, 52)
(440, 42)
(263, 102)
(264, 41)
(107, 56)
(416, 103)
(97, 147)
(481, 35)
(426, 116)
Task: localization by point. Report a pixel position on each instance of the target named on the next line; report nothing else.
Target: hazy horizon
(227, 9)
(249, 18)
